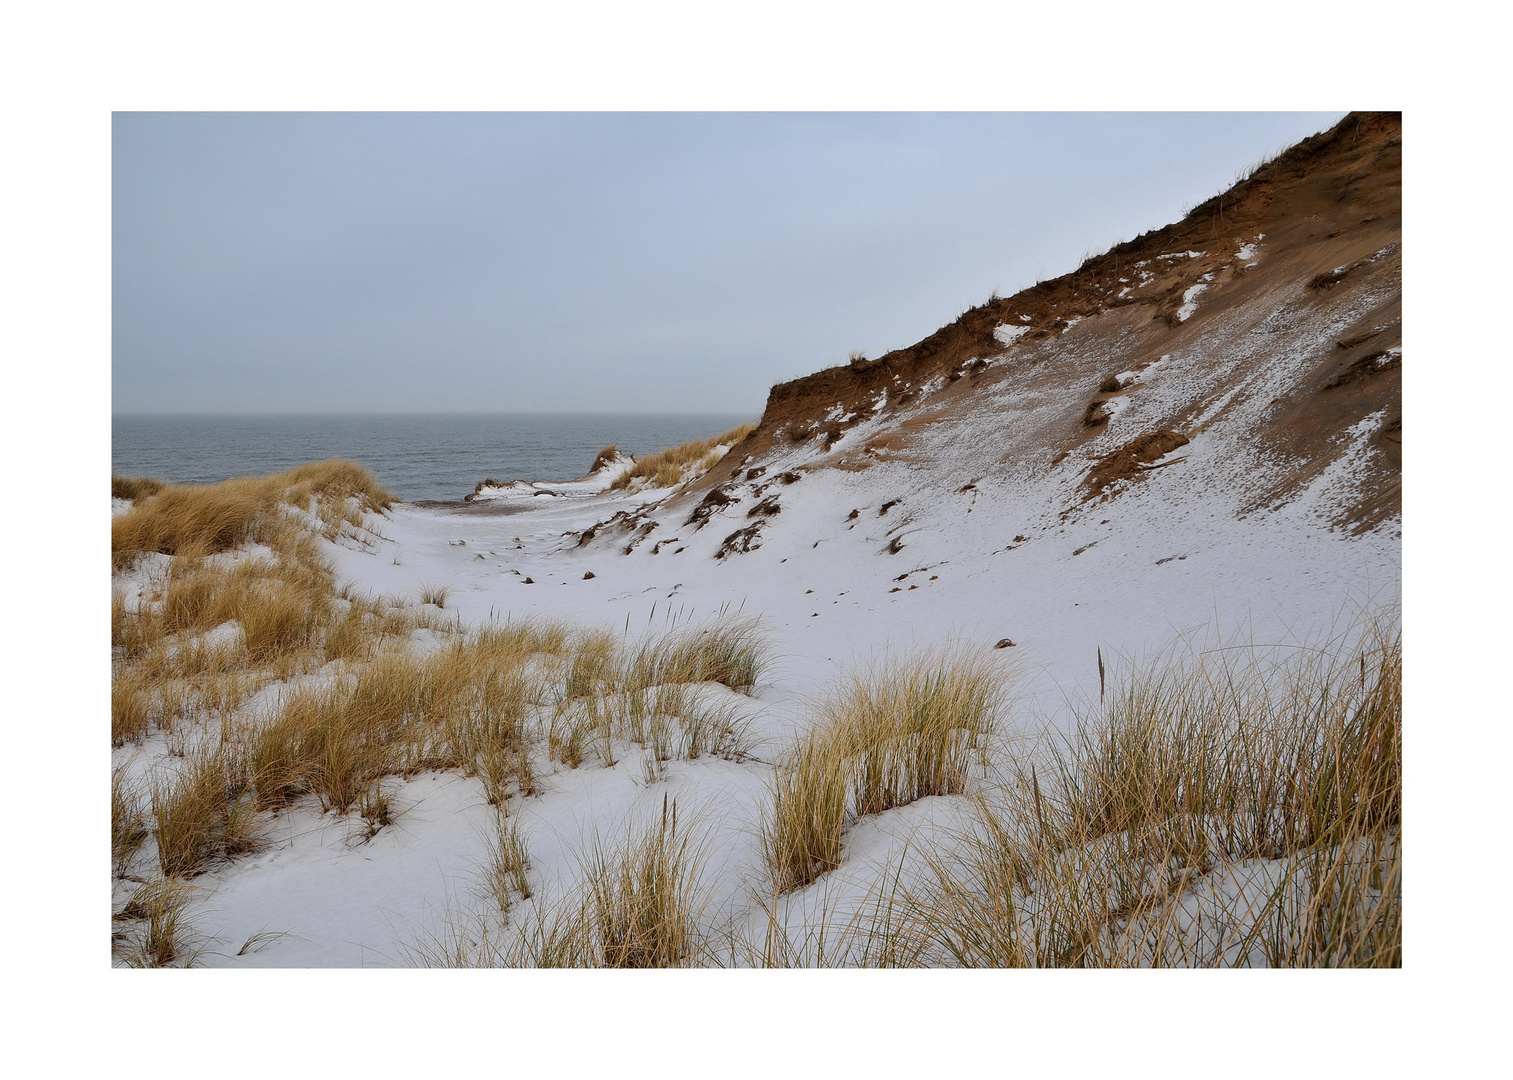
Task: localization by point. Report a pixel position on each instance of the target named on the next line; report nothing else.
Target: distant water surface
(415, 455)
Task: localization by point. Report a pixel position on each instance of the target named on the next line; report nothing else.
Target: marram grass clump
(690, 460)
(1230, 808)
(906, 729)
(201, 519)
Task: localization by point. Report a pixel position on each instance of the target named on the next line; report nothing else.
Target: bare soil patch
(1131, 459)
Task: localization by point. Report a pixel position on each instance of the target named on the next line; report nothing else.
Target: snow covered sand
(830, 596)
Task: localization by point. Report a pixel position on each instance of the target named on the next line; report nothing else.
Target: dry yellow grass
(134, 487)
(352, 637)
(200, 815)
(128, 825)
(374, 808)
(642, 907)
(201, 519)
(337, 741)
(130, 709)
(732, 651)
(199, 597)
(912, 728)
(280, 600)
(277, 762)
(483, 731)
(462, 708)
(801, 835)
(602, 693)
(645, 695)
(119, 619)
(192, 520)
(279, 619)
(905, 729)
(692, 459)
(1233, 808)
(592, 666)
(162, 937)
(570, 733)
(134, 632)
(1224, 809)
(508, 870)
(1229, 809)
(339, 478)
(639, 907)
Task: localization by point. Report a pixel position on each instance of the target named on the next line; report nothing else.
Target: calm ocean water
(417, 456)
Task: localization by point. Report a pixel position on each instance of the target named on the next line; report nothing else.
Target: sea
(420, 457)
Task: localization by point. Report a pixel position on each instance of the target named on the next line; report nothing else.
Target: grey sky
(604, 261)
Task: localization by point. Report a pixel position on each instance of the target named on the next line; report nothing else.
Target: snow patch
(595, 483)
(1190, 302)
(1114, 406)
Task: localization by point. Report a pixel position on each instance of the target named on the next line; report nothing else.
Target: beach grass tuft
(903, 729)
(1229, 808)
(670, 467)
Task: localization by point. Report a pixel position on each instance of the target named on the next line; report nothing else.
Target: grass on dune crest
(134, 487)
(201, 519)
(670, 467)
(277, 606)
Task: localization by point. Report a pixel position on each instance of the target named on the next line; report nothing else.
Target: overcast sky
(605, 262)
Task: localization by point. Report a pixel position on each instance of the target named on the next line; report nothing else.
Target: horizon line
(430, 412)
